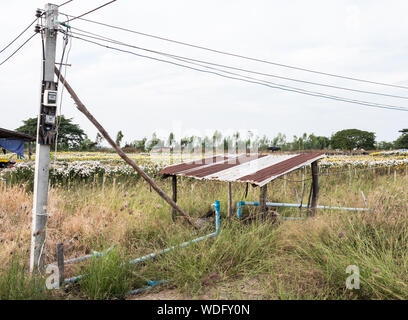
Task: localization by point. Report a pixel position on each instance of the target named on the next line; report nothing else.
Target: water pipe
(73, 260)
(289, 205)
(184, 244)
(150, 285)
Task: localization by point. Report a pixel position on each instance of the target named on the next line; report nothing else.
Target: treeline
(349, 139)
(72, 137)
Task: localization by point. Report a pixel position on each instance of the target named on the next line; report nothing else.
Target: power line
(22, 32)
(243, 76)
(17, 49)
(63, 4)
(88, 12)
(100, 37)
(261, 82)
(242, 56)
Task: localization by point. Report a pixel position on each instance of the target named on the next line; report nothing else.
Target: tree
(98, 139)
(155, 141)
(402, 141)
(119, 138)
(350, 139)
(323, 142)
(279, 140)
(70, 135)
(263, 143)
(216, 138)
(171, 141)
(139, 145)
(87, 144)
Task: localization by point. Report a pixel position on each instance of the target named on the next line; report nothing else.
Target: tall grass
(17, 284)
(271, 260)
(106, 277)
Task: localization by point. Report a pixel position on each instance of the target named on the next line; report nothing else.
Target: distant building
(14, 142)
(161, 150)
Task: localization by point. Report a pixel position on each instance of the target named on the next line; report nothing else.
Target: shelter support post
(262, 201)
(315, 188)
(29, 150)
(229, 199)
(174, 189)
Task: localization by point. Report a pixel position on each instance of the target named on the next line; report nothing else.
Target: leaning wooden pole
(81, 107)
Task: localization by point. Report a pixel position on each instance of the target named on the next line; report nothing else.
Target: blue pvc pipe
(150, 285)
(295, 205)
(96, 254)
(290, 205)
(184, 244)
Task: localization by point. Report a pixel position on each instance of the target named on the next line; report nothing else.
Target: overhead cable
(24, 43)
(22, 32)
(261, 82)
(88, 12)
(100, 37)
(242, 56)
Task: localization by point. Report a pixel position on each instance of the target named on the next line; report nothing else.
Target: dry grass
(288, 260)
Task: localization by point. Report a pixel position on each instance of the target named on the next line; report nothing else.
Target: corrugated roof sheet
(253, 168)
(9, 134)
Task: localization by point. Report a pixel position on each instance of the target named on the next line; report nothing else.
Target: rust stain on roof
(178, 168)
(253, 168)
(226, 164)
(280, 168)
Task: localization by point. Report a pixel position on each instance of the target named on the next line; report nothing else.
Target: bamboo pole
(81, 107)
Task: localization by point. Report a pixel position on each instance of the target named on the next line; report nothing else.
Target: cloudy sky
(364, 39)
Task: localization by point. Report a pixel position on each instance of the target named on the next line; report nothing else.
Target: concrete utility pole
(45, 138)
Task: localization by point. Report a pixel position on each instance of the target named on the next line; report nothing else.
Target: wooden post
(81, 107)
(315, 184)
(29, 150)
(60, 263)
(301, 201)
(262, 201)
(310, 197)
(229, 199)
(174, 188)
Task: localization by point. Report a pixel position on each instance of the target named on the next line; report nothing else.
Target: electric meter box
(50, 120)
(50, 98)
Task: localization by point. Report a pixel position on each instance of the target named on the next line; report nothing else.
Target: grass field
(275, 259)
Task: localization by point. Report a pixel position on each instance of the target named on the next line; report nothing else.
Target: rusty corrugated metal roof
(253, 168)
(9, 134)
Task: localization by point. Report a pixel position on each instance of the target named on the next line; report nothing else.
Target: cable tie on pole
(64, 24)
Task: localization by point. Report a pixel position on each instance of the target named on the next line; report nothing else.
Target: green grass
(107, 277)
(17, 284)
